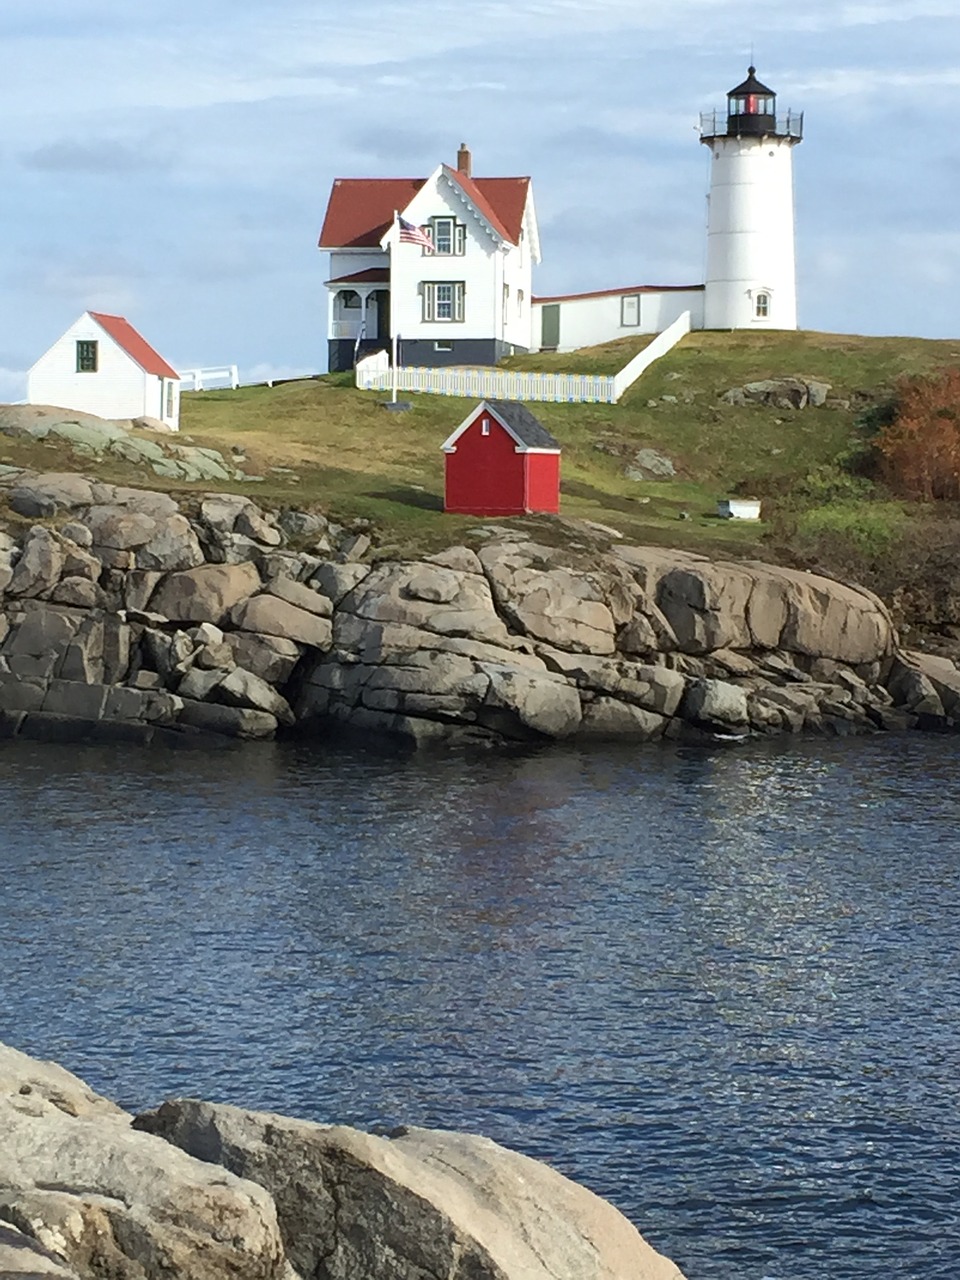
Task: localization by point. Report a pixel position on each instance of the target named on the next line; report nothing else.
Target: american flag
(409, 234)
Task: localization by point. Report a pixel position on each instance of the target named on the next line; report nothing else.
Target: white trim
(449, 445)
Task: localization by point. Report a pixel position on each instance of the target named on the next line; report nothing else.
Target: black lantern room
(751, 107)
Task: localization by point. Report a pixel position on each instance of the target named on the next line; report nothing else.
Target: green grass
(356, 460)
(322, 443)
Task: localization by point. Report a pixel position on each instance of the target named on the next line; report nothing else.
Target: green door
(550, 327)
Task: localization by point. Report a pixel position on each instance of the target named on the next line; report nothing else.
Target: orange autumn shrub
(919, 451)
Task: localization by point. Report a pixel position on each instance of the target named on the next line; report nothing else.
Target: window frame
(431, 301)
(624, 299)
(457, 238)
(88, 355)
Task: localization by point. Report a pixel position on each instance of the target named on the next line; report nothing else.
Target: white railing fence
(661, 344)
(206, 379)
(374, 373)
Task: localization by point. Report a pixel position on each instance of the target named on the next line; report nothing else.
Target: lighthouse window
(762, 306)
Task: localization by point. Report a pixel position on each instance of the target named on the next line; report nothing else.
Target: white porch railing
(346, 328)
(206, 379)
(374, 374)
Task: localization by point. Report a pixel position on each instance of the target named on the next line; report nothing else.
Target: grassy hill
(323, 441)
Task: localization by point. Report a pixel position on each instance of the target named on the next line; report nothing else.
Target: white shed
(102, 365)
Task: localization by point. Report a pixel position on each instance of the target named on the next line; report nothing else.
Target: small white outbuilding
(102, 365)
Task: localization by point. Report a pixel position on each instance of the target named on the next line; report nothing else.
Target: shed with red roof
(501, 461)
(102, 365)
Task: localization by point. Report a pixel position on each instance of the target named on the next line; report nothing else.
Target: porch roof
(372, 275)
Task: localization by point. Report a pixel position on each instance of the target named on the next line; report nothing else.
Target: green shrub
(869, 529)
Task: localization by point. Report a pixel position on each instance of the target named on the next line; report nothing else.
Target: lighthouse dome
(751, 107)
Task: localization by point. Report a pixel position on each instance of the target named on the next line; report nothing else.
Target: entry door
(383, 313)
(550, 327)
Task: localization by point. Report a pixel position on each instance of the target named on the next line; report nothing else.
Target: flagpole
(396, 343)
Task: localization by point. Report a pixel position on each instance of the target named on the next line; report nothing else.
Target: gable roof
(134, 344)
(360, 210)
(516, 419)
(500, 200)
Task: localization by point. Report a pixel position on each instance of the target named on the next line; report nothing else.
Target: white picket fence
(206, 379)
(375, 374)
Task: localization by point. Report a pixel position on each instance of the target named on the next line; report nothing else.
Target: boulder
(715, 704)
(233, 722)
(297, 593)
(269, 657)
(251, 523)
(243, 689)
(206, 593)
(544, 704)
(42, 496)
(546, 601)
(271, 616)
(338, 580)
(608, 718)
(173, 545)
(40, 565)
(106, 1200)
(354, 1206)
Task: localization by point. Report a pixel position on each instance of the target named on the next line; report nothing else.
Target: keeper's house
(455, 287)
(102, 365)
(501, 461)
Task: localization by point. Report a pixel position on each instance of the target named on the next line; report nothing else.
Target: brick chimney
(464, 160)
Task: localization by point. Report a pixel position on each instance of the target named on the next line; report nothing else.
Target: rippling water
(720, 988)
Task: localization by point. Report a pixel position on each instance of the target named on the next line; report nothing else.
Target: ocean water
(719, 987)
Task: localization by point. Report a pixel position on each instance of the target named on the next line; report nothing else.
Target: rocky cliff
(205, 1192)
(127, 616)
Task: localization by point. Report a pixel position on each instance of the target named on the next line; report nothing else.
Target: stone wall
(123, 617)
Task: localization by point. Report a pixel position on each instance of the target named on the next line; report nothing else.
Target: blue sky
(171, 161)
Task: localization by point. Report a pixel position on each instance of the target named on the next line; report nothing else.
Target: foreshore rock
(124, 617)
(211, 1192)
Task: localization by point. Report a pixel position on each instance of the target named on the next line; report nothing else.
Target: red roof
(137, 348)
(633, 288)
(372, 275)
(360, 210)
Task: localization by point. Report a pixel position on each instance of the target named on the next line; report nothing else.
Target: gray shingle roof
(523, 424)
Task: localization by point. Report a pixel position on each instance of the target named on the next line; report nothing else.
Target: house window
(506, 303)
(485, 427)
(630, 310)
(168, 413)
(519, 302)
(762, 306)
(443, 300)
(448, 236)
(86, 357)
(443, 346)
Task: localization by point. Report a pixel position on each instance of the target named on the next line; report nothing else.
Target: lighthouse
(751, 269)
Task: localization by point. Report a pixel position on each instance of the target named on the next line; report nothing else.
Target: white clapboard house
(102, 365)
(445, 263)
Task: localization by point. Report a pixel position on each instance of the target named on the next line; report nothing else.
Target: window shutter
(459, 290)
(461, 241)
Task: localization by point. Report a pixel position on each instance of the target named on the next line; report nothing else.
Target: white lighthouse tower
(751, 271)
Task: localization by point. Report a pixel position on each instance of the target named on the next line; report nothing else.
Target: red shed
(501, 462)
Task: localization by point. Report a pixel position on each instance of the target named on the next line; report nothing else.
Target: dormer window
(449, 236)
